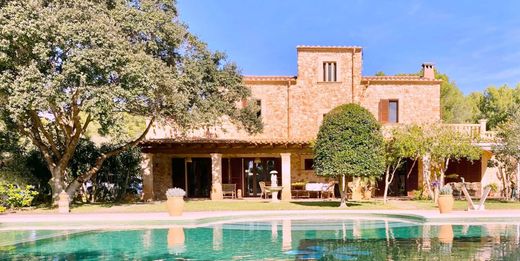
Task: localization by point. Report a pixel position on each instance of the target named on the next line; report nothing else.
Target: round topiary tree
(349, 144)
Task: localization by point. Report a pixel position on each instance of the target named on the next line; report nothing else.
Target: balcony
(477, 132)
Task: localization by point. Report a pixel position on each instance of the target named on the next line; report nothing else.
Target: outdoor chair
(229, 190)
(263, 191)
(328, 190)
(457, 189)
(471, 205)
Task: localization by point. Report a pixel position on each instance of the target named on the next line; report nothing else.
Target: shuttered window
(389, 111)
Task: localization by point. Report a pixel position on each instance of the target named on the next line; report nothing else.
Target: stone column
(286, 176)
(286, 235)
(483, 128)
(426, 173)
(147, 174)
(217, 237)
(216, 176)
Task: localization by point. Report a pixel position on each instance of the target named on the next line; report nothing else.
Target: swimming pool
(277, 239)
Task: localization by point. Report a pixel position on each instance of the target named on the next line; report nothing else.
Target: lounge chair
(264, 192)
(471, 205)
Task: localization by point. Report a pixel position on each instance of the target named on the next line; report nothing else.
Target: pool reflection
(279, 240)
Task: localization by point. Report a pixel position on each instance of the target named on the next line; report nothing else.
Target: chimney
(428, 72)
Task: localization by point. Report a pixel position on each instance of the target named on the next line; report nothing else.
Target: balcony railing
(477, 132)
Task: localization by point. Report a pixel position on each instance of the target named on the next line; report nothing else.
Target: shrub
(446, 190)
(492, 186)
(418, 195)
(175, 192)
(349, 144)
(13, 196)
(118, 179)
(2, 209)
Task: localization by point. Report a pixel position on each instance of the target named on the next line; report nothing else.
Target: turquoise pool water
(272, 240)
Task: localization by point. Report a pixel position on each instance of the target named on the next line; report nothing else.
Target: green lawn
(234, 205)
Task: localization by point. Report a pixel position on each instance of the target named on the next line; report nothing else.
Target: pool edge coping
(196, 219)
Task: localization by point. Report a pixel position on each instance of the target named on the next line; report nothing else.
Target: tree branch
(37, 142)
(61, 122)
(39, 125)
(411, 169)
(74, 185)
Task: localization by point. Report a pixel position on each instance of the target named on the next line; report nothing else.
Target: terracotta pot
(445, 203)
(175, 205)
(175, 236)
(367, 194)
(446, 234)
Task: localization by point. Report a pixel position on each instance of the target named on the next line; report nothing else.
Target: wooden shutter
(383, 110)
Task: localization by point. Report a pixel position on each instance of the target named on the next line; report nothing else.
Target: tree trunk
(343, 192)
(517, 187)
(387, 184)
(57, 184)
(76, 183)
(443, 170)
(426, 176)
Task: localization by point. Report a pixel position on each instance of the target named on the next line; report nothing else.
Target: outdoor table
(315, 187)
(274, 191)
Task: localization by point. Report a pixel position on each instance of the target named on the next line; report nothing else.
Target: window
(393, 111)
(389, 111)
(259, 112)
(329, 72)
(258, 103)
(308, 164)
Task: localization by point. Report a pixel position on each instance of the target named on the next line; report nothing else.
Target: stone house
(292, 108)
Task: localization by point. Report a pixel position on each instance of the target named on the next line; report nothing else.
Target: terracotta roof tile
(398, 78)
(328, 47)
(226, 141)
(278, 79)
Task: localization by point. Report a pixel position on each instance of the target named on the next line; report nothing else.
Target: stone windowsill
(329, 82)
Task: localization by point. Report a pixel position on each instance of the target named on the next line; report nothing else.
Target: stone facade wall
(295, 111)
(417, 103)
(162, 175)
(274, 110)
(311, 97)
(298, 172)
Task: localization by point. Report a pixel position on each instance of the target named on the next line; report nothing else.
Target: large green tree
(498, 103)
(455, 108)
(507, 152)
(349, 144)
(67, 64)
(404, 143)
(443, 145)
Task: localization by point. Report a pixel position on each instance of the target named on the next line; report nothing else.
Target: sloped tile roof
(398, 78)
(271, 79)
(225, 141)
(327, 47)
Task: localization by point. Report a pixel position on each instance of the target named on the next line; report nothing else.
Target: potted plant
(493, 187)
(175, 202)
(445, 199)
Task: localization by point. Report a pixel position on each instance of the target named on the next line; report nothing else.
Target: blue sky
(477, 43)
